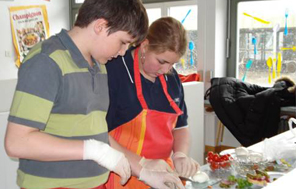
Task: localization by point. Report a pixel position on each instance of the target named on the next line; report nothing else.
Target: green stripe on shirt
(27, 181)
(77, 124)
(24, 106)
(65, 62)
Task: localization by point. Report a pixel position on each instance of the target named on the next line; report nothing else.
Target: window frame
(165, 5)
(74, 7)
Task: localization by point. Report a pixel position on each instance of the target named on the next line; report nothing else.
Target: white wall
(211, 49)
(193, 92)
(8, 166)
(212, 29)
(58, 16)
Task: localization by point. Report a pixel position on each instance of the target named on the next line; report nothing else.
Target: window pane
(188, 16)
(79, 1)
(180, 12)
(153, 14)
(266, 44)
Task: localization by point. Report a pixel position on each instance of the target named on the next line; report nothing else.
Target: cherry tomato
(216, 158)
(210, 154)
(225, 164)
(210, 160)
(228, 155)
(214, 166)
(224, 158)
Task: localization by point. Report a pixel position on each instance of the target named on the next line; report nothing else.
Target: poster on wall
(29, 26)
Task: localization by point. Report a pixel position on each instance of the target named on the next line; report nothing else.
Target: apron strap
(171, 101)
(138, 83)
(137, 76)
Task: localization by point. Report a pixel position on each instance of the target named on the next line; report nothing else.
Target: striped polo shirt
(60, 94)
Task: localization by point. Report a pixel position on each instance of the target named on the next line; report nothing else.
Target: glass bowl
(249, 163)
(220, 169)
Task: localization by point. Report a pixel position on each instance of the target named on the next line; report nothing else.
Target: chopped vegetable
(243, 183)
(232, 180)
(225, 184)
(285, 162)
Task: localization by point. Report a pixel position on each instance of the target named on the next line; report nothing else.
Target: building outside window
(263, 41)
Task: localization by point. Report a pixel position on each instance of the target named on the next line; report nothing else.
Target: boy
(57, 124)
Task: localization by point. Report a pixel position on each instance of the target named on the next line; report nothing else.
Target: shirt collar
(73, 49)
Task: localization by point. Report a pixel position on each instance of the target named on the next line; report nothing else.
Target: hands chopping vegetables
(185, 166)
(158, 174)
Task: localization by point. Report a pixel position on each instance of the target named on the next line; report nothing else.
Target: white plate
(274, 175)
(228, 151)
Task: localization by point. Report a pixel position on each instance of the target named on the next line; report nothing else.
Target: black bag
(250, 112)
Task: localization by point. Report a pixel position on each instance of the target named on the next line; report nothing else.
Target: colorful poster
(29, 26)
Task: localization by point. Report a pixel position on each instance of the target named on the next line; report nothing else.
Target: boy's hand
(107, 157)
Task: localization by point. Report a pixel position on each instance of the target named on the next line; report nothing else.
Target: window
(263, 40)
(74, 6)
(153, 14)
(79, 1)
(185, 12)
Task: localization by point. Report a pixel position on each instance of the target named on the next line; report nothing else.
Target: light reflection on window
(153, 14)
(79, 1)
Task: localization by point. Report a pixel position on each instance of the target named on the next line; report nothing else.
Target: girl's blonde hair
(167, 34)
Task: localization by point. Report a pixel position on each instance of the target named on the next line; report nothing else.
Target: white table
(287, 181)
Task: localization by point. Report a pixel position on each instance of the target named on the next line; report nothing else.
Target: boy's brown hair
(121, 15)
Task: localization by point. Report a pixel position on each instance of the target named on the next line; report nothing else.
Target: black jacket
(250, 112)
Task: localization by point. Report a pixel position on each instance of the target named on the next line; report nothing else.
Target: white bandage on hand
(107, 157)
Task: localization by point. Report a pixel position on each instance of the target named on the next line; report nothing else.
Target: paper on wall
(29, 26)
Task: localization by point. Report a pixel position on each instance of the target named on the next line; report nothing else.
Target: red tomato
(225, 164)
(224, 158)
(210, 154)
(216, 158)
(209, 160)
(214, 166)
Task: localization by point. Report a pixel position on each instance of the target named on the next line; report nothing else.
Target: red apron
(149, 134)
